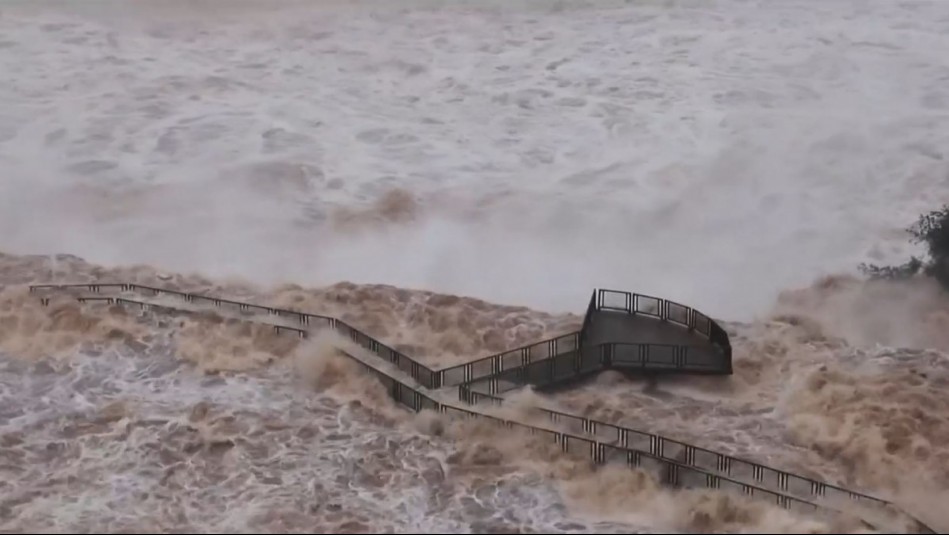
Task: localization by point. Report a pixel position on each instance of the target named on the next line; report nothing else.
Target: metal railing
(578, 363)
(810, 490)
(419, 372)
(666, 470)
(663, 309)
(654, 357)
(508, 360)
(677, 463)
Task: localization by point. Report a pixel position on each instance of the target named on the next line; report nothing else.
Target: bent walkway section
(621, 330)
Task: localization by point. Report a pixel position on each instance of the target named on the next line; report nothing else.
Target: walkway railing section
(553, 353)
(668, 471)
(574, 364)
(419, 372)
(663, 309)
(675, 462)
(535, 356)
(811, 490)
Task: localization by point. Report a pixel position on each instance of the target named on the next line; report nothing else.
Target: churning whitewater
(454, 179)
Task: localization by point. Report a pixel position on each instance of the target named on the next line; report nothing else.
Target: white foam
(232, 452)
(711, 153)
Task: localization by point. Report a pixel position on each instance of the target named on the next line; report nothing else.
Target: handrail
(685, 457)
(691, 454)
(600, 452)
(430, 378)
(685, 316)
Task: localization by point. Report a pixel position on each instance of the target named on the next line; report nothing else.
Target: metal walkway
(621, 330)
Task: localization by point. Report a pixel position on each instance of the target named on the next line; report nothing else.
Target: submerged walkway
(621, 330)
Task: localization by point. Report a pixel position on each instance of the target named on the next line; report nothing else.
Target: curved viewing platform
(694, 343)
(621, 330)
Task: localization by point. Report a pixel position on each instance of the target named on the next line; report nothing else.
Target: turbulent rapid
(454, 179)
(196, 423)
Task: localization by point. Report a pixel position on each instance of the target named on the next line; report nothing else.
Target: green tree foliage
(931, 229)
